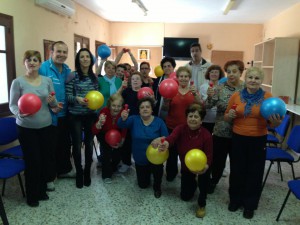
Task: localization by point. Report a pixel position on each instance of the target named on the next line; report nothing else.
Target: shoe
(50, 186)
(248, 214)
(123, 168)
(157, 194)
(71, 174)
(200, 213)
(233, 207)
(44, 197)
(107, 180)
(211, 188)
(33, 203)
(171, 178)
(79, 180)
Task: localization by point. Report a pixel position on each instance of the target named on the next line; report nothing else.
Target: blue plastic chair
(9, 134)
(278, 134)
(294, 187)
(282, 155)
(2, 213)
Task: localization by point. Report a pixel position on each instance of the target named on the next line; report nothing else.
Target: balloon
(156, 157)
(144, 92)
(168, 88)
(113, 137)
(95, 100)
(223, 80)
(29, 104)
(173, 75)
(103, 51)
(272, 106)
(195, 160)
(158, 71)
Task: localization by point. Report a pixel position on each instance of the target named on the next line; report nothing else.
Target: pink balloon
(168, 88)
(144, 92)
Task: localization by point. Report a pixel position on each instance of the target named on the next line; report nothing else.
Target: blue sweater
(142, 135)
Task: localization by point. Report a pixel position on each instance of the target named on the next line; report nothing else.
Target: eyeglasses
(144, 68)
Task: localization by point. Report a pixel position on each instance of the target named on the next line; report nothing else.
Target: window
(7, 61)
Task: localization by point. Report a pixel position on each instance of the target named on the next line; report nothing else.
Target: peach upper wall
(32, 24)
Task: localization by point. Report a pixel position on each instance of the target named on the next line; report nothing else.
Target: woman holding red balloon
(186, 137)
(106, 122)
(81, 118)
(34, 125)
(144, 129)
(247, 160)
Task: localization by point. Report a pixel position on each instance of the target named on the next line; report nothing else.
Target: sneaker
(50, 186)
(123, 168)
(107, 180)
(71, 174)
(200, 213)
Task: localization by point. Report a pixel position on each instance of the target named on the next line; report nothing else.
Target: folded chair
(294, 187)
(288, 155)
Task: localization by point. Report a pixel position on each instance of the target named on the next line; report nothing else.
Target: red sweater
(186, 139)
(110, 123)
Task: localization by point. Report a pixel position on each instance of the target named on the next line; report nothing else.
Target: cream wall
(32, 24)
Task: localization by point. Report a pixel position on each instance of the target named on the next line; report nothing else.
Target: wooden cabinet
(278, 57)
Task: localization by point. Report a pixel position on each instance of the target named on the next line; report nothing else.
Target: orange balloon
(158, 71)
(95, 100)
(195, 160)
(156, 157)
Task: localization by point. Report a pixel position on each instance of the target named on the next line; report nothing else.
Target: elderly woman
(213, 74)
(186, 137)
(144, 128)
(176, 107)
(34, 130)
(219, 97)
(81, 118)
(111, 155)
(248, 143)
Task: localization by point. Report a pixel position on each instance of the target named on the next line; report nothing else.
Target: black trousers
(62, 146)
(208, 126)
(110, 158)
(37, 150)
(246, 170)
(221, 148)
(189, 184)
(126, 149)
(144, 172)
(172, 161)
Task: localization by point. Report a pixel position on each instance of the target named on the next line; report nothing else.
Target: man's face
(195, 53)
(59, 53)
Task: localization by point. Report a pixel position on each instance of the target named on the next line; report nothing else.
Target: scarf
(251, 99)
(112, 85)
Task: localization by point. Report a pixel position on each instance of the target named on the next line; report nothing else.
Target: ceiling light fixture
(141, 5)
(228, 6)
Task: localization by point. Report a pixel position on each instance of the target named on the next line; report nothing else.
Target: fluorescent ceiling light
(141, 5)
(228, 6)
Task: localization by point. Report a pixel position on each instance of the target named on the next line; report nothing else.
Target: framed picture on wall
(47, 48)
(143, 54)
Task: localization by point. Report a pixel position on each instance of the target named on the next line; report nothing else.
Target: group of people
(220, 119)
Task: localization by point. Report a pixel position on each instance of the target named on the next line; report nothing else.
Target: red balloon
(29, 104)
(113, 137)
(168, 88)
(173, 75)
(144, 92)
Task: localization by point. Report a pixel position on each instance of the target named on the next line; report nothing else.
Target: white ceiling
(188, 11)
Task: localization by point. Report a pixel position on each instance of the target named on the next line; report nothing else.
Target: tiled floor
(122, 202)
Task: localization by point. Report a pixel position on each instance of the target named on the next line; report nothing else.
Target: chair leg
(293, 171)
(21, 185)
(283, 205)
(2, 213)
(3, 187)
(281, 177)
(267, 174)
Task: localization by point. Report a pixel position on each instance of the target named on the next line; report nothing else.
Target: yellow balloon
(158, 71)
(95, 100)
(195, 160)
(156, 157)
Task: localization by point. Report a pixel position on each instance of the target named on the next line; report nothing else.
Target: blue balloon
(222, 80)
(272, 106)
(103, 51)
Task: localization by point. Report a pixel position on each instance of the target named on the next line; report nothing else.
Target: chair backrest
(8, 130)
(284, 126)
(294, 139)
